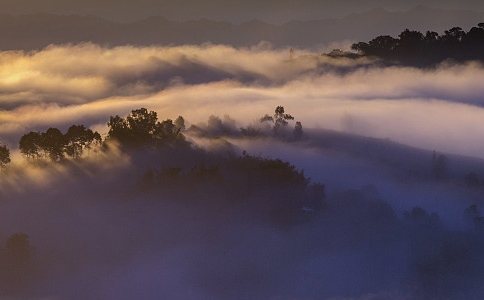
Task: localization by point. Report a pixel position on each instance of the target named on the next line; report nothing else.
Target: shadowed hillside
(28, 32)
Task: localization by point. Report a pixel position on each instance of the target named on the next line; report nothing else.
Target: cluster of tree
(270, 172)
(272, 189)
(137, 129)
(142, 127)
(217, 127)
(55, 145)
(415, 48)
(280, 121)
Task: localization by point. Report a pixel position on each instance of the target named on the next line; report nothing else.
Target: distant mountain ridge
(29, 32)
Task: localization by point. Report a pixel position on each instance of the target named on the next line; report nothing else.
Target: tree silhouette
(141, 128)
(269, 172)
(142, 125)
(136, 129)
(180, 123)
(166, 130)
(53, 143)
(30, 145)
(381, 46)
(118, 129)
(4, 156)
(78, 138)
(413, 48)
(409, 46)
(280, 118)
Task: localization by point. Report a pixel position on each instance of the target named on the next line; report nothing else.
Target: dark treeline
(55, 145)
(140, 128)
(282, 191)
(263, 178)
(417, 49)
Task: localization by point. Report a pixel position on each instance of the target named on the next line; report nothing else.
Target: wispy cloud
(94, 226)
(61, 85)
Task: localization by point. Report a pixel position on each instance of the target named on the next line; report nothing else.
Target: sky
(234, 10)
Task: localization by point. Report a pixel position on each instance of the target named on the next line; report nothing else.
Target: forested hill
(36, 31)
(415, 48)
(148, 203)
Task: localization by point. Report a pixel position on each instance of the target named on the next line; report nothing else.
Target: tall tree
(280, 118)
(381, 46)
(118, 128)
(4, 156)
(78, 138)
(30, 145)
(142, 124)
(180, 123)
(410, 46)
(136, 129)
(53, 143)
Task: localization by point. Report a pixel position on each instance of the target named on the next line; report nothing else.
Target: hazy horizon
(235, 11)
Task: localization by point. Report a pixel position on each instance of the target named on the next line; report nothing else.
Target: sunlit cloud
(93, 218)
(62, 85)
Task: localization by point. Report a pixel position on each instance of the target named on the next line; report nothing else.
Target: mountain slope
(36, 31)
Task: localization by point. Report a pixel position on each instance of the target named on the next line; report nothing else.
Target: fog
(215, 217)
(61, 85)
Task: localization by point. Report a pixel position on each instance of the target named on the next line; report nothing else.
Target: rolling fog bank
(377, 196)
(435, 109)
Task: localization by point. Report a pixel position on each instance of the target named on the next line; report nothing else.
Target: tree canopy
(4, 156)
(55, 145)
(141, 127)
(280, 119)
(415, 48)
(78, 139)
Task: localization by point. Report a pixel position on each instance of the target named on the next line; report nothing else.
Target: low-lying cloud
(60, 85)
(179, 223)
